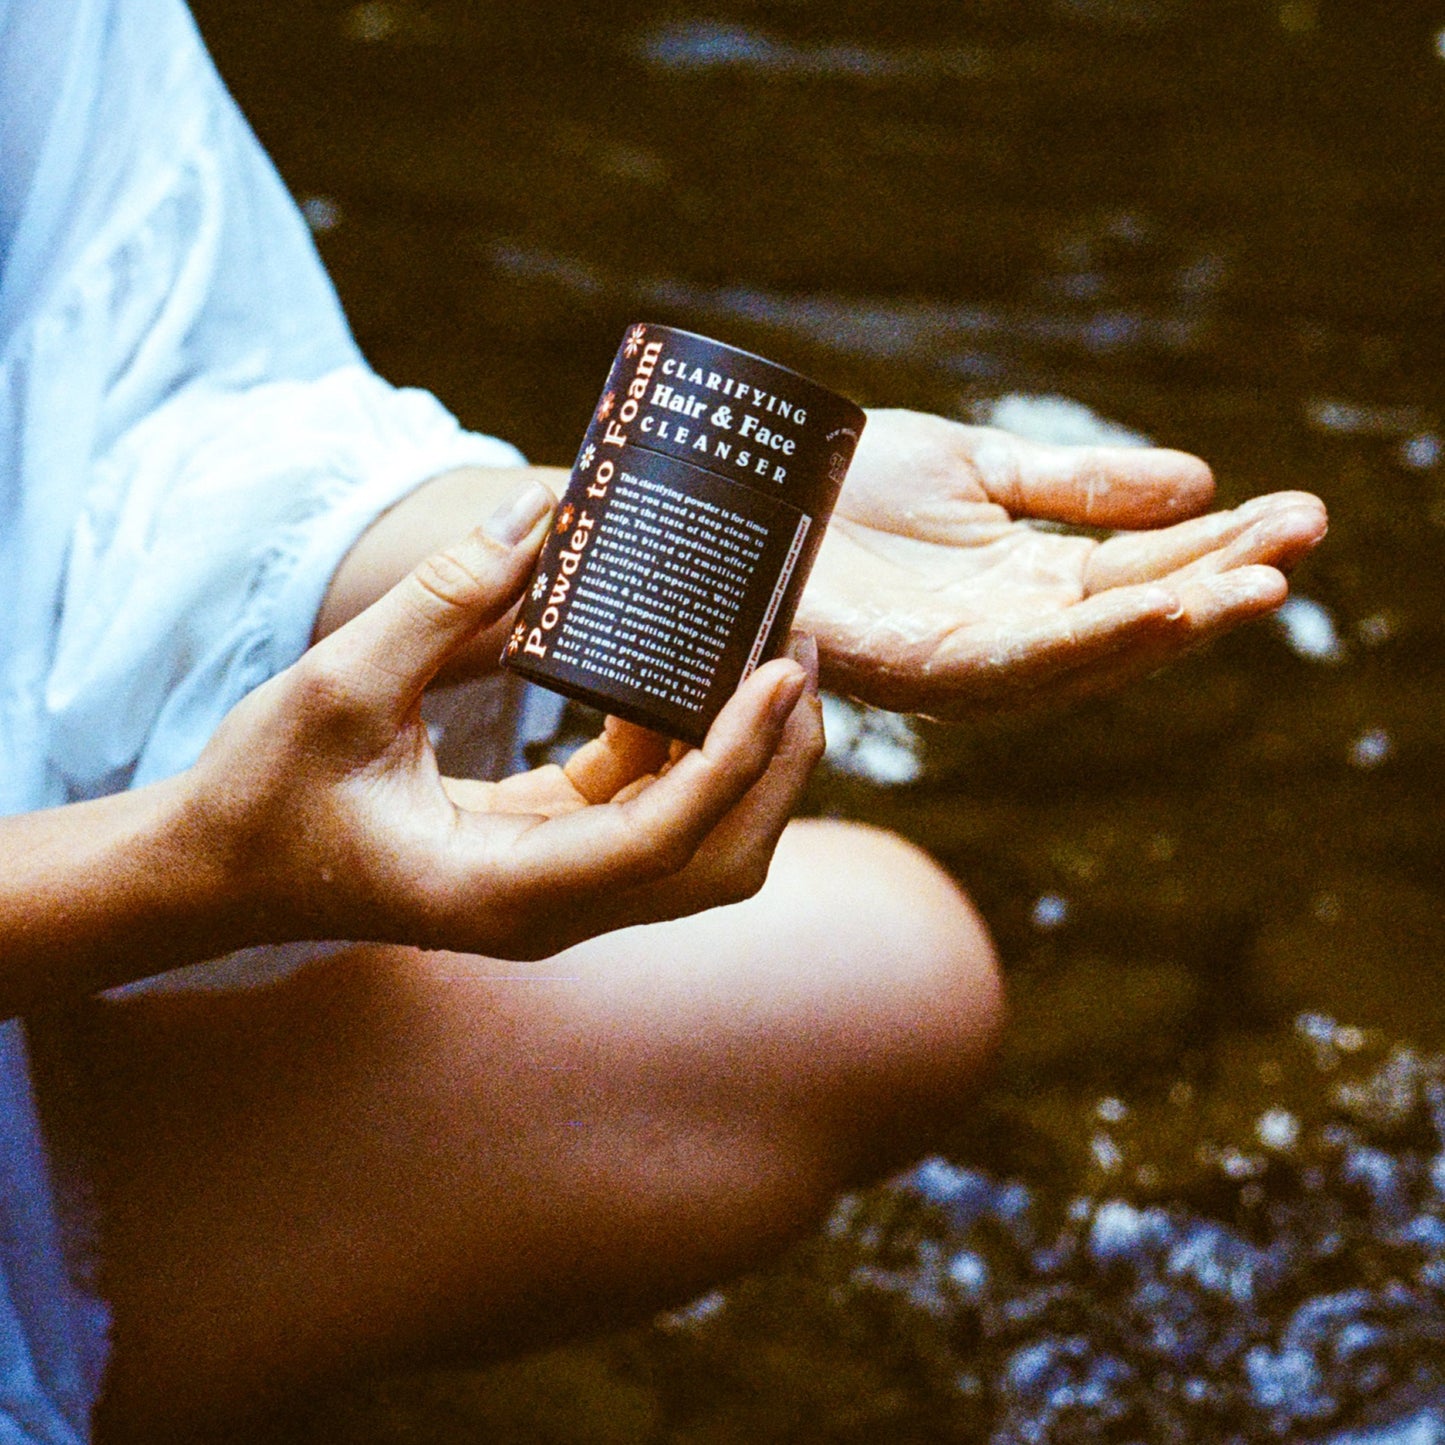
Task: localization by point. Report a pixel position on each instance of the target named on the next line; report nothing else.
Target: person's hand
(934, 592)
(321, 798)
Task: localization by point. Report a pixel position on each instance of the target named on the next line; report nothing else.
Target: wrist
(170, 891)
(217, 897)
(100, 893)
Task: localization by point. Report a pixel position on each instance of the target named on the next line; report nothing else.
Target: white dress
(189, 443)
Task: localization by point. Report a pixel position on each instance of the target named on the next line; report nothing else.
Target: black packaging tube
(689, 525)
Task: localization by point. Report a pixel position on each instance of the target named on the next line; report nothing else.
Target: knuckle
(324, 686)
(451, 579)
(804, 744)
(669, 854)
(733, 776)
(737, 875)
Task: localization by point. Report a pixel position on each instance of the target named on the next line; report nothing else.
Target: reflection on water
(1306, 1292)
(708, 45)
(959, 343)
(1309, 630)
(1219, 227)
(1278, 1273)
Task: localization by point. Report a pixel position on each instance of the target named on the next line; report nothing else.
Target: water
(1216, 226)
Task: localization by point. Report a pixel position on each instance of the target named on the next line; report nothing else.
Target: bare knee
(908, 926)
(916, 1002)
(396, 1149)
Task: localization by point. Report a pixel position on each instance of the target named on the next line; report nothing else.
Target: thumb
(394, 648)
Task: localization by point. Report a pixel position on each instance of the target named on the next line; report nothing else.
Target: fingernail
(803, 649)
(785, 697)
(513, 521)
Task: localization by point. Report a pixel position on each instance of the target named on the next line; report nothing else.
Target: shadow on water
(1218, 227)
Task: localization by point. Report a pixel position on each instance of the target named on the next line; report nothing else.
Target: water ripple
(714, 46)
(962, 340)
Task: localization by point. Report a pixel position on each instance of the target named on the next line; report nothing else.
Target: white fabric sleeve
(189, 439)
(210, 533)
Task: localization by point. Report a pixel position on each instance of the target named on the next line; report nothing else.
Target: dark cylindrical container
(693, 514)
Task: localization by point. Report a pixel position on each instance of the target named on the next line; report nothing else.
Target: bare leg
(396, 1155)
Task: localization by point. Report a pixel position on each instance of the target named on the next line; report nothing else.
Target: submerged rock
(1293, 1289)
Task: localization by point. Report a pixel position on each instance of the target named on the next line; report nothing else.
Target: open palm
(937, 590)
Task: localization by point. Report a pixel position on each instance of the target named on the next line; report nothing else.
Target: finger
(1278, 542)
(540, 791)
(471, 793)
(392, 650)
(733, 861)
(1213, 605)
(1104, 648)
(757, 822)
(656, 832)
(1278, 530)
(1092, 486)
(1002, 663)
(751, 831)
(623, 755)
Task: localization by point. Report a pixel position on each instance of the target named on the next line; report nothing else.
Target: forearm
(99, 893)
(436, 514)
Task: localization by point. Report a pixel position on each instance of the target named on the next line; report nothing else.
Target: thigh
(395, 1153)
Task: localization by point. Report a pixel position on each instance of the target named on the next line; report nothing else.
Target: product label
(730, 413)
(666, 587)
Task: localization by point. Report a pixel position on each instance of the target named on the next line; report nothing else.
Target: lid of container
(734, 414)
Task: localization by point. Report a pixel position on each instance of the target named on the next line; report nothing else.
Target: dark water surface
(1218, 226)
